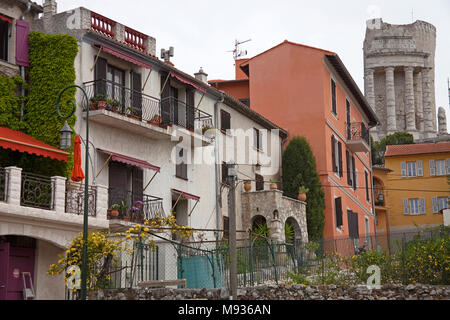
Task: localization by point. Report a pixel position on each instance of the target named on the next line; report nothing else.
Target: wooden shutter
(174, 107)
(338, 211)
(137, 184)
(225, 120)
(403, 169)
(136, 95)
(432, 168)
(100, 76)
(353, 227)
(259, 182)
(435, 205)
(447, 163)
(333, 97)
(22, 32)
(349, 168)
(405, 206)
(354, 173)
(366, 177)
(181, 166)
(333, 154)
(340, 158)
(118, 182)
(348, 124)
(419, 168)
(190, 109)
(165, 100)
(422, 207)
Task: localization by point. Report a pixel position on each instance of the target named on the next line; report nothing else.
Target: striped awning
(125, 57)
(131, 161)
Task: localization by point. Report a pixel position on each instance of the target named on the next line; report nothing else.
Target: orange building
(309, 92)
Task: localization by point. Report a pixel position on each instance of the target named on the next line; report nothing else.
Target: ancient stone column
(428, 113)
(390, 101)
(418, 100)
(409, 100)
(370, 87)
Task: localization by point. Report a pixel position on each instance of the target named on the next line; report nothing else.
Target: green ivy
(10, 103)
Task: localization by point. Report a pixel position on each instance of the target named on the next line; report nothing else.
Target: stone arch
(293, 223)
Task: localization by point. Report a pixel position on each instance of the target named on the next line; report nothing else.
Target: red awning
(19, 141)
(5, 18)
(186, 195)
(125, 57)
(131, 161)
(184, 80)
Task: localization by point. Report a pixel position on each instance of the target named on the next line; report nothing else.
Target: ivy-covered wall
(51, 70)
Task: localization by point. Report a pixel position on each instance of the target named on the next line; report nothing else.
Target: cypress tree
(299, 169)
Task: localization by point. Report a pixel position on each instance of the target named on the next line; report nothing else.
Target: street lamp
(66, 143)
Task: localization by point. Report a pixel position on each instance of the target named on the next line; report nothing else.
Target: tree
(299, 169)
(379, 147)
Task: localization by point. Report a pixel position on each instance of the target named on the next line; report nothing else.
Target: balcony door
(115, 84)
(136, 93)
(190, 109)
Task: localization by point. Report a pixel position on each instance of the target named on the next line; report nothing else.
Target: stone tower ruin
(399, 77)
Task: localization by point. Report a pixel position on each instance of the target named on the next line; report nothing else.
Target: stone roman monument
(399, 77)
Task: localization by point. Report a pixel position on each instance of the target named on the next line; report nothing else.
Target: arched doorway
(260, 229)
(292, 230)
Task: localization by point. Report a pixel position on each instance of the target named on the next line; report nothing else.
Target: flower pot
(247, 186)
(302, 196)
(273, 186)
(101, 105)
(132, 116)
(126, 218)
(114, 214)
(93, 106)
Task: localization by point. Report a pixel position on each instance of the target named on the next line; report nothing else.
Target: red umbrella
(77, 172)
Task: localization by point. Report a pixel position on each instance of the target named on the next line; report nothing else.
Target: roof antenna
(237, 52)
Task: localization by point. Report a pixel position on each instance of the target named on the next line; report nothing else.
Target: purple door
(14, 261)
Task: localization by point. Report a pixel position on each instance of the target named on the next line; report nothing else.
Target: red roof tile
(407, 149)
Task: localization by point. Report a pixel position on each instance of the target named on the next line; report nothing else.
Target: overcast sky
(202, 31)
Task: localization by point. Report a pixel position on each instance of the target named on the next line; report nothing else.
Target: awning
(125, 57)
(184, 80)
(131, 161)
(5, 18)
(19, 141)
(186, 195)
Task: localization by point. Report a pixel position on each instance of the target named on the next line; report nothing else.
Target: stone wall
(283, 292)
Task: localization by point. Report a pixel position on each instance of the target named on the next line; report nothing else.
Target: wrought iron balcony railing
(135, 207)
(177, 112)
(75, 200)
(37, 191)
(105, 94)
(358, 131)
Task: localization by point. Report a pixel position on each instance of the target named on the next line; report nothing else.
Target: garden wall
(283, 292)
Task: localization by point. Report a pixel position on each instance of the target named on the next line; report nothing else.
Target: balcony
(134, 207)
(358, 138)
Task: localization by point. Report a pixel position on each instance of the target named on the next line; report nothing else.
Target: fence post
(13, 185)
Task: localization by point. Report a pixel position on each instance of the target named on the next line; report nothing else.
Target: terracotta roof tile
(407, 149)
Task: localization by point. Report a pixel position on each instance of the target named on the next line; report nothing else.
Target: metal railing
(358, 131)
(124, 100)
(135, 207)
(177, 112)
(75, 200)
(3, 185)
(37, 191)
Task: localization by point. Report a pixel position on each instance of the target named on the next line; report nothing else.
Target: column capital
(389, 69)
(408, 68)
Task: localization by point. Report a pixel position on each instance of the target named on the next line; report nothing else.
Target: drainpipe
(22, 68)
(217, 173)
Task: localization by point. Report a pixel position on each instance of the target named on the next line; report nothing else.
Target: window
(4, 36)
(411, 167)
(349, 131)
(440, 168)
(225, 120)
(440, 203)
(224, 172)
(257, 139)
(414, 206)
(259, 182)
(353, 228)
(351, 170)
(181, 165)
(336, 152)
(338, 211)
(333, 97)
(366, 177)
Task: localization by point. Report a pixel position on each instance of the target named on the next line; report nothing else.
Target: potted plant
(98, 102)
(123, 210)
(273, 184)
(115, 210)
(302, 191)
(132, 113)
(247, 185)
(156, 120)
(113, 105)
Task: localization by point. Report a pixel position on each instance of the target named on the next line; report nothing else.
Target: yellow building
(417, 188)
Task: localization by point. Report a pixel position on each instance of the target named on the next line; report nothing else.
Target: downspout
(22, 68)
(217, 173)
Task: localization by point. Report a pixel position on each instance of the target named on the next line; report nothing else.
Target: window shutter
(136, 86)
(405, 206)
(340, 158)
(356, 179)
(225, 120)
(403, 168)
(165, 100)
(333, 153)
(333, 97)
(354, 173)
(338, 210)
(190, 109)
(422, 208)
(432, 168)
(137, 184)
(366, 177)
(224, 172)
(435, 205)
(448, 166)
(22, 48)
(420, 168)
(349, 165)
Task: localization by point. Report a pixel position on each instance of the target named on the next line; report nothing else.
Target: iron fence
(37, 191)
(75, 200)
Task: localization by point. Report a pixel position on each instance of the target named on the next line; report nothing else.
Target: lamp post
(66, 143)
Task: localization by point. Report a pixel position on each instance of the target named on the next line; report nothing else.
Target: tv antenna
(237, 52)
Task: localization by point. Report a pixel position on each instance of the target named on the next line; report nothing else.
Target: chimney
(49, 8)
(201, 75)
